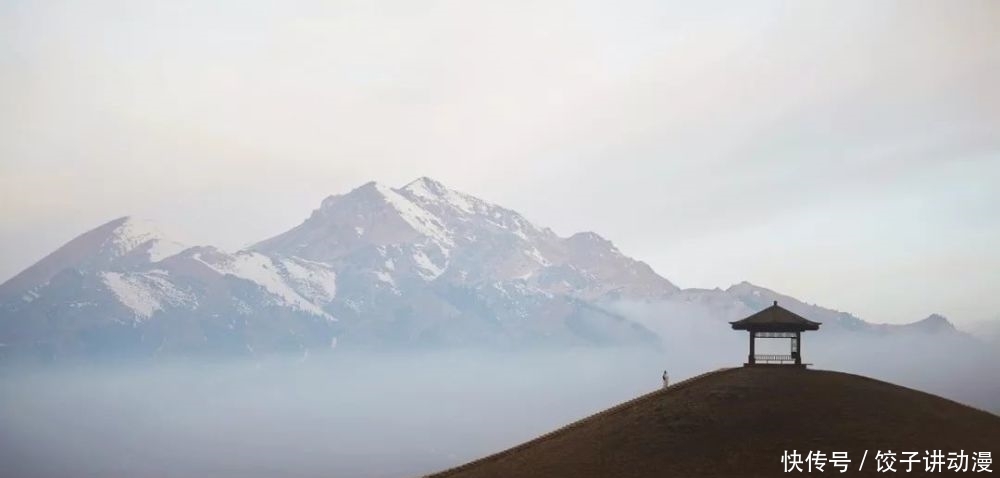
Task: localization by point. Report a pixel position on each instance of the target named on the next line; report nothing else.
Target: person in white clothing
(666, 379)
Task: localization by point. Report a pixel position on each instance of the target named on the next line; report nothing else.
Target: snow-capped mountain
(198, 300)
(124, 243)
(417, 266)
(427, 232)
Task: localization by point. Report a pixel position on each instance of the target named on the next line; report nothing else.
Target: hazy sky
(846, 153)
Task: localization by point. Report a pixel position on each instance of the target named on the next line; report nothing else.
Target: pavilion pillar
(798, 348)
(775, 322)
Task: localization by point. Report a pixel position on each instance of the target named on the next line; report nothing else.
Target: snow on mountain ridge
(317, 278)
(437, 233)
(146, 293)
(417, 217)
(440, 200)
(431, 190)
(122, 244)
(133, 233)
(419, 264)
(267, 273)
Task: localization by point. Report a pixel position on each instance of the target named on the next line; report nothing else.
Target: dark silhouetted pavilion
(776, 322)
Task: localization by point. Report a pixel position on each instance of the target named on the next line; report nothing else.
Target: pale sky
(846, 153)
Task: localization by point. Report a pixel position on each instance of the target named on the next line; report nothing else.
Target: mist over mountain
(419, 266)
(987, 330)
(394, 332)
(376, 268)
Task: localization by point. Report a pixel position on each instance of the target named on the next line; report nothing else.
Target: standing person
(666, 379)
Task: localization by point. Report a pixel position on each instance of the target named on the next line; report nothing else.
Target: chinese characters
(888, 461)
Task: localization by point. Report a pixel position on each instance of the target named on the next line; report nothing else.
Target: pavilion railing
(765, 358)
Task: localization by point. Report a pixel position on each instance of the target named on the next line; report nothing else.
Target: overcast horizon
(844, 153)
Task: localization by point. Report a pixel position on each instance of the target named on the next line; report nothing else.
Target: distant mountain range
(375, 268)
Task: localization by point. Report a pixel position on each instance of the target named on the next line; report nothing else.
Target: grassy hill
(738, 422)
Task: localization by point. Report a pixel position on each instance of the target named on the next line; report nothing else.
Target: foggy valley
(461, 239)
(388, 414)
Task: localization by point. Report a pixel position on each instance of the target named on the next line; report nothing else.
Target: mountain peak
(427, 191)
(743, 285)
(371, 187)
(117, 244)
(934, 323)
(129, 233)
(370, 191)
(747, 288)
(370, 214)
(426, 186)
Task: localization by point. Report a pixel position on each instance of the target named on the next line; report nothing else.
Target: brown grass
(738, 422)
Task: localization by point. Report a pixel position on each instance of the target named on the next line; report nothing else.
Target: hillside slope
(738, 422)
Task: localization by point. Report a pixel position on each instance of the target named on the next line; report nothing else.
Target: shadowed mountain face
(420, 266)
(739, 422)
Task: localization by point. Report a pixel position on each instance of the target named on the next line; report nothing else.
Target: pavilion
(776, 322)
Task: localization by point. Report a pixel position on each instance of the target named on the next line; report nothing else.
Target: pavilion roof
(775, 319)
